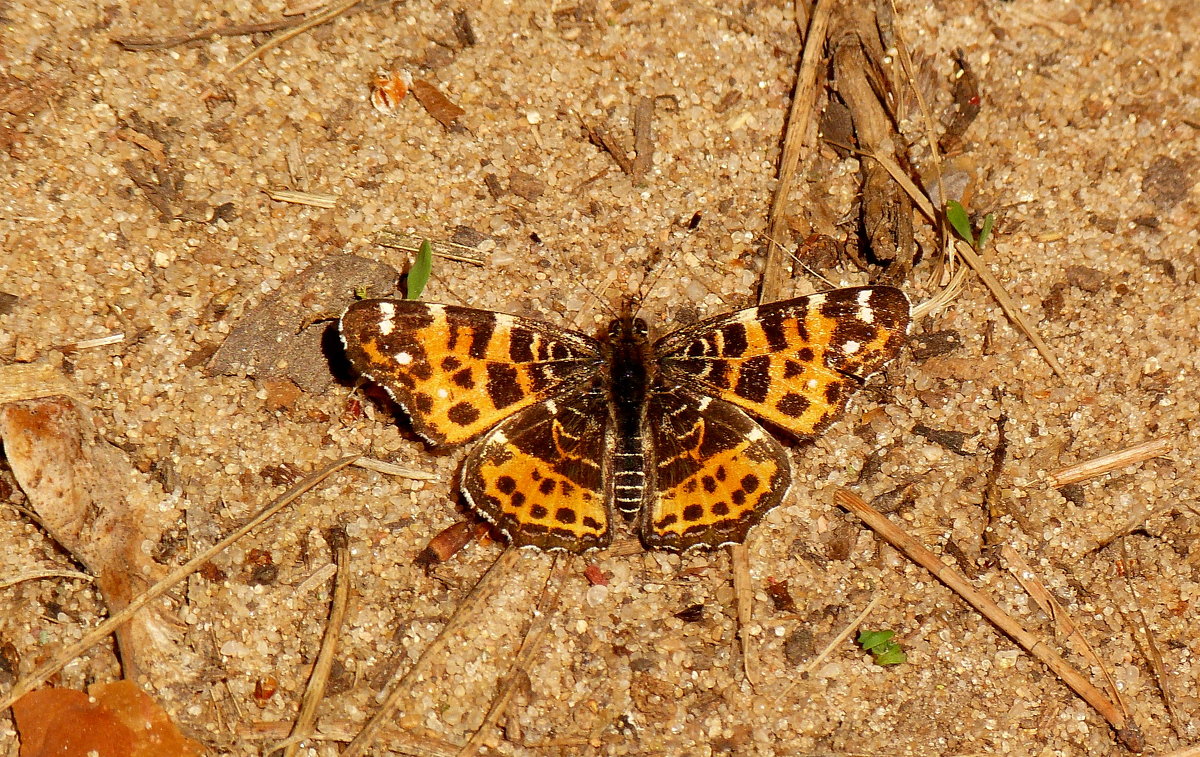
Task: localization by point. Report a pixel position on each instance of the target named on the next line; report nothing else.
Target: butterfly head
(628, 330)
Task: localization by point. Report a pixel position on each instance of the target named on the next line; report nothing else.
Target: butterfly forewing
(793, 363)
(540, 475)
(459, 371)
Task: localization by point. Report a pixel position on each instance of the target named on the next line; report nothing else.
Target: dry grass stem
(1063, 623)
(467, 610)
(542, 615)
(315, 199)
(400, 741)
(832, 645)
(743, 589)
(1138, 453)
(1161, 676)
(391, 469)
(315, 690)
(327, 15)
(450, 250)
(71, 651)
(799, 126)
(1127, 731)
(33, 575)
(800, 118)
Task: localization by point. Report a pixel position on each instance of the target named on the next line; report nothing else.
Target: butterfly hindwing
(793, 363)
(540, 476)
(715, 472)
(459, 371)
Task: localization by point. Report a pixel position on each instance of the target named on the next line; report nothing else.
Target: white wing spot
(442, 393)
(816, 300)
(812, 383)
(851, 347)
(388, 324)
(865, 313)
(403, 358)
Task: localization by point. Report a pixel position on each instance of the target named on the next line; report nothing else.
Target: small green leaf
(894, 655)
(418, 275)
(360, 293)
(986, 232)
(868, 640)
(956, 214)
(883, 650)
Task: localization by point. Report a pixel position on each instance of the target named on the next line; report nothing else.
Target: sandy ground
(1085, 149)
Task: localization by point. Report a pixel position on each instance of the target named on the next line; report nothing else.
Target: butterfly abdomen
(629, 380)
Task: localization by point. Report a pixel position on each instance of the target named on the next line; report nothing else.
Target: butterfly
(572, 428)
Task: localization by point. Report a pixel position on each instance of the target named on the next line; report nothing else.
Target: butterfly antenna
(599, 297)
(796, 259)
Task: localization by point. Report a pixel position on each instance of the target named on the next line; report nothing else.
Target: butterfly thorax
(630, 373)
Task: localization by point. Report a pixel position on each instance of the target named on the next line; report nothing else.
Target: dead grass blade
(1111, 461)
(302, 729)
(466, 611)
(327, 15)
(1127, 731)
(70, 652)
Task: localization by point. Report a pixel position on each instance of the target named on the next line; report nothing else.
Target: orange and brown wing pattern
(715, 472)
(793, 363)
(541, 476)
(459, 371)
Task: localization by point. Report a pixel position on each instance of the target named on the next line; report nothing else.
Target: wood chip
(437, 104)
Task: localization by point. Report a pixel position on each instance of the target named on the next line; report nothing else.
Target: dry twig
(1138, 453)
(1127, 731)
(303, 727)
(466, 611)
(91, 638)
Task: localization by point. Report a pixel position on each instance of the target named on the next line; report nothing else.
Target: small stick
(643, 138)
(547, 604)
(800, 118)
(278, 40)
(1161, 676)
(1127, 731)
(465, 611)
(828, 650)
(743, 591)
(71, 651)
(315, 690)
(1073, 474)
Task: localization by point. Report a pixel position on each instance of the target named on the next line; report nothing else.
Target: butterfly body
(575, 429)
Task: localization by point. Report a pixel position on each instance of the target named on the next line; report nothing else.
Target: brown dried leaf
(283, 337)
(437, 104)
(117, 720)
(99, 507)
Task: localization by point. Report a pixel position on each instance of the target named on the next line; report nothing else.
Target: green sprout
(956, 214)
(418, 275)
(882, 648)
